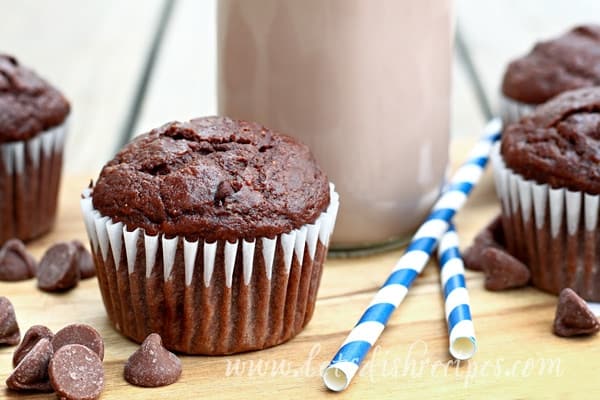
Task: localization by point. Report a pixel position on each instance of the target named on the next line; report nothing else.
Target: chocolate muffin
(32, 133)
(550, 68)
(212, 233)
(548, 179)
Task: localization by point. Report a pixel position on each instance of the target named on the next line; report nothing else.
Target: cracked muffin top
(559, 143)
(28, 104)
(571, 61)
(212, 178)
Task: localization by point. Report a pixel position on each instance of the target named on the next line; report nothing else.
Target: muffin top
(571, 61)
(559, 143)
(212, 178)
(28, 104)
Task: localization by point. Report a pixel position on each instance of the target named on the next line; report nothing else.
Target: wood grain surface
(518, 356)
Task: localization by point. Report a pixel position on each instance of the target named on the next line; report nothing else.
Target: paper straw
(463, 344)
(345, 363)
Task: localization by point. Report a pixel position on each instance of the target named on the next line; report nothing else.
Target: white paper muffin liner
(512, 111)
(30, 173)
(209, 298)
(553, 231)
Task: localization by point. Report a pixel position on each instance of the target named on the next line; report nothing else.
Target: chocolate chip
(82, 334)
(76, 372)
(503, 271)
(84, 260)
(32, 372)
(16, 264)
(31, 337)
(58, 269)
(472, 257)
(9, 328)
(573, 316)
(152, 365)
(490, 236)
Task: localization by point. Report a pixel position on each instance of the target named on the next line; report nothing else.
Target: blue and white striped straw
(345, 363)
(461, 332)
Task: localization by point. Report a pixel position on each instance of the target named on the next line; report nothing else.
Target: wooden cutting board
(518, 356)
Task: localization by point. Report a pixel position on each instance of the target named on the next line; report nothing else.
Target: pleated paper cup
(512, 111)
(552, 230)
(30, 173)
(208, 298)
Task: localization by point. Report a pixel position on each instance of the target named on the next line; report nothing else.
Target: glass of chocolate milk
(365, 84)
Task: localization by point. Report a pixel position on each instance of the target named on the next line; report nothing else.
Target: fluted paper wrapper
(29, 181)
(512, 111)
(209, 298)
(553, 231)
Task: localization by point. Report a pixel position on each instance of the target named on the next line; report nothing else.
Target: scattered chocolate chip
(490, 236)
(573, 316)
(58, 269)
(9, 328)
(76, 372)
(30, 339)
(32, 372)
(82, 334)
(472, 257)
(503, 271)
(16, 264)
(84, 260)
(152, 365)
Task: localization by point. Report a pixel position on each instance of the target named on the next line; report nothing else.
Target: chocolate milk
(365, 84)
